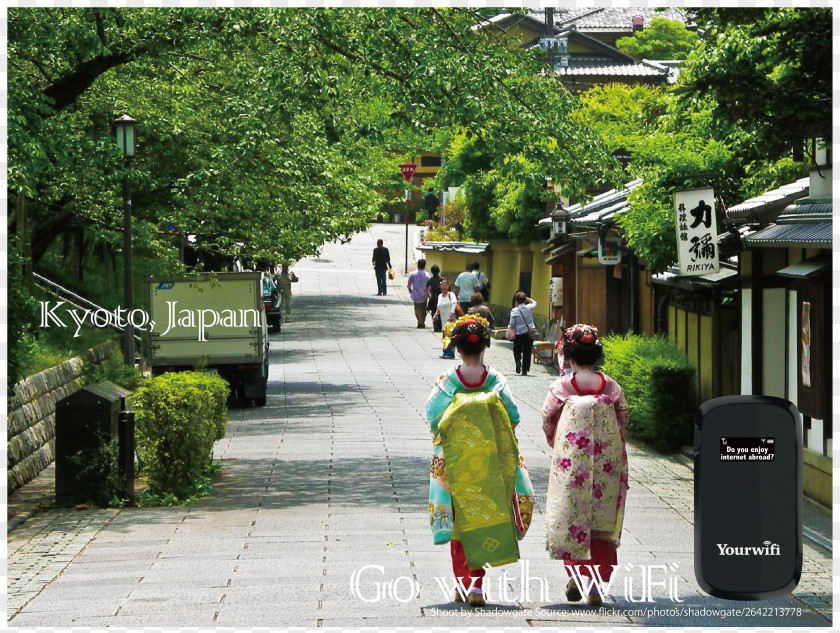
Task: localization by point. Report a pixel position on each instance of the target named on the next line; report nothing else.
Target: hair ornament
(472, 319)
(582, 333)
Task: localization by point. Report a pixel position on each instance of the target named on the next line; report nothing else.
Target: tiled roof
(535, 20)
(589, 19)
(587, 66)
(799, 235)
(469, 248)
(612, 18)
(806, 223)
(769, 203)
(602, 208)
(804, 210)
(599, 216)
(567, 16)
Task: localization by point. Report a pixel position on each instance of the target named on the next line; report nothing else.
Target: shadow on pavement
(278, 484)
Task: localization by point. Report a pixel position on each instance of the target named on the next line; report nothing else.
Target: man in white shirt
(465, 285)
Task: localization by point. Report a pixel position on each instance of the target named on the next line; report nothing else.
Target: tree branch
(67, 89)
(356, 58)
(100, 28)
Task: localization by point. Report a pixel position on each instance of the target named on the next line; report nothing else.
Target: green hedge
(178, 417)
(658, 384)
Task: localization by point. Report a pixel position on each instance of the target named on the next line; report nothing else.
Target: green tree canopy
(765, 70)
(266, 131)
(622, 115)
(661, 39)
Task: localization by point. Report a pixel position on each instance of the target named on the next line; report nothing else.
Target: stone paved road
(332, 475)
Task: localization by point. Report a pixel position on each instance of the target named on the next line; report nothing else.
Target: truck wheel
(260, 401)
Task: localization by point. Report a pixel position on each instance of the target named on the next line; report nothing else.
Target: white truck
(216, 320)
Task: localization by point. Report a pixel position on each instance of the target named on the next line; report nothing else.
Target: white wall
(794, 341)
(746, 341)
(774, 343)
(814, 435)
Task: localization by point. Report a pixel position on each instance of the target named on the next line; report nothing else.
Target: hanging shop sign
(609, 250)
(697, 237)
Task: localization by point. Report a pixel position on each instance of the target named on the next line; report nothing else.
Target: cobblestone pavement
(331, 476)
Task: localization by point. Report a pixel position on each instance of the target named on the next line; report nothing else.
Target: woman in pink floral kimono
(584, 416)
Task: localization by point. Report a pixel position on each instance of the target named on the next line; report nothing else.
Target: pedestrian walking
(477, 307)
(479, 489)
(433, 292)
(584, 417)
(447, 312)
(417, 289)
(381, 266)
(430, 203)
(284, 286)
(465, 286)
(522, 326)
(483, 285)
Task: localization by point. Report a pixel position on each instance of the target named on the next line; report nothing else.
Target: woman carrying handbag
(521, 330)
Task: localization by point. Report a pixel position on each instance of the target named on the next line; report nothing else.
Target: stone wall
(31, 426)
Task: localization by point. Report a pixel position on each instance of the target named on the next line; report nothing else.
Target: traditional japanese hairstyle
(582, 345)
(471, 334)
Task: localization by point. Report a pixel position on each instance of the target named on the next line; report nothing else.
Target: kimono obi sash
(481, 465)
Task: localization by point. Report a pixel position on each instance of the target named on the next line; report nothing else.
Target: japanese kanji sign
(408, 170)
(697, 238)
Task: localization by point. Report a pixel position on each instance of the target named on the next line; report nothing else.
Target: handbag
(533, 332)
(391, 274)
(510, 333)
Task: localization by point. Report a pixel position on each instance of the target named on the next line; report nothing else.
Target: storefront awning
(724, 277)
(558, 253)
(805, 270)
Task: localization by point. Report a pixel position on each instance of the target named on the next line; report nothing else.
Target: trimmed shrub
(658, 384)
(114, 370)
(178, 417)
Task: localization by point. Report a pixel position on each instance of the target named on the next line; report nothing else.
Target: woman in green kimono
(480, 495)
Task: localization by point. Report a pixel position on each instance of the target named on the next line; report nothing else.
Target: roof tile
(613, 18)
(775, 199)
(802, 235)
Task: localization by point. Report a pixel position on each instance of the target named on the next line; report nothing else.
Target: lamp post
(124, 130)
(559, 220)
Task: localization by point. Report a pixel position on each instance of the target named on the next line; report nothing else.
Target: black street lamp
(124, 129)
(559, 220)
